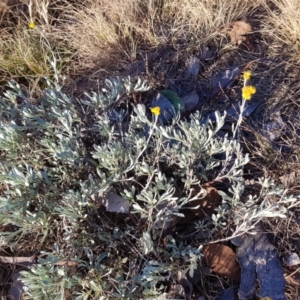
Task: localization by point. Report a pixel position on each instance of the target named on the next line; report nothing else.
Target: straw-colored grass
(104, 31)
(284, 24)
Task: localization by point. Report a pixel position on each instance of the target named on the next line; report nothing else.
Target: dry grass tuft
(205, 19)
(105, 31)
(25, 52)
(284, 24)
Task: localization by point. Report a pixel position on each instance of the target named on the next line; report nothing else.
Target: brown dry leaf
(222, 260)
(68, 263)
(238, 31)
(239, 35)
(288, 180)
(207, 203)
(113, 202)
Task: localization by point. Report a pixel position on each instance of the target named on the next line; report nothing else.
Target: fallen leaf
(206, 53)
(249, 108)
(272, 130)
(174, 98)
(17, 288)
(292, 259)
(68, 263)
(193, 67)
(288, 180)
(228, 294)
(113, 202)
(203, 235)
(191, 100)
(165, 209)
(176, 292)
(187, 286)
(239, 35)
(224, 79)
(238, 30)
(222, 260)
(258, 258)
(209, 199)
(194, 280)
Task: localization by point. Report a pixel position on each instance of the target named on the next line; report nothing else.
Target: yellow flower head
(247, 75)
(248, 91)
(155, 110)
(31, 25)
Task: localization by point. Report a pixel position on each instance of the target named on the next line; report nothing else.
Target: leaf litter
(228, 294)
(193, 68)
(259, 260)
(185, 283)
(113, 202)
(222, 260)
(205, 205)
(191, 100)
(17, 287)
(224, 80)
(288, 180)
(240, 35)
(207, 53)
(274, 128)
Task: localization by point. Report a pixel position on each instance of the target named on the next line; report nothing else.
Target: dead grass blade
(23, 261)
(284, 24)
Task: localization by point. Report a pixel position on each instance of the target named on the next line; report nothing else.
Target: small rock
(292, 259)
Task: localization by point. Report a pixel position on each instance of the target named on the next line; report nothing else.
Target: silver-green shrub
(57, 152)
